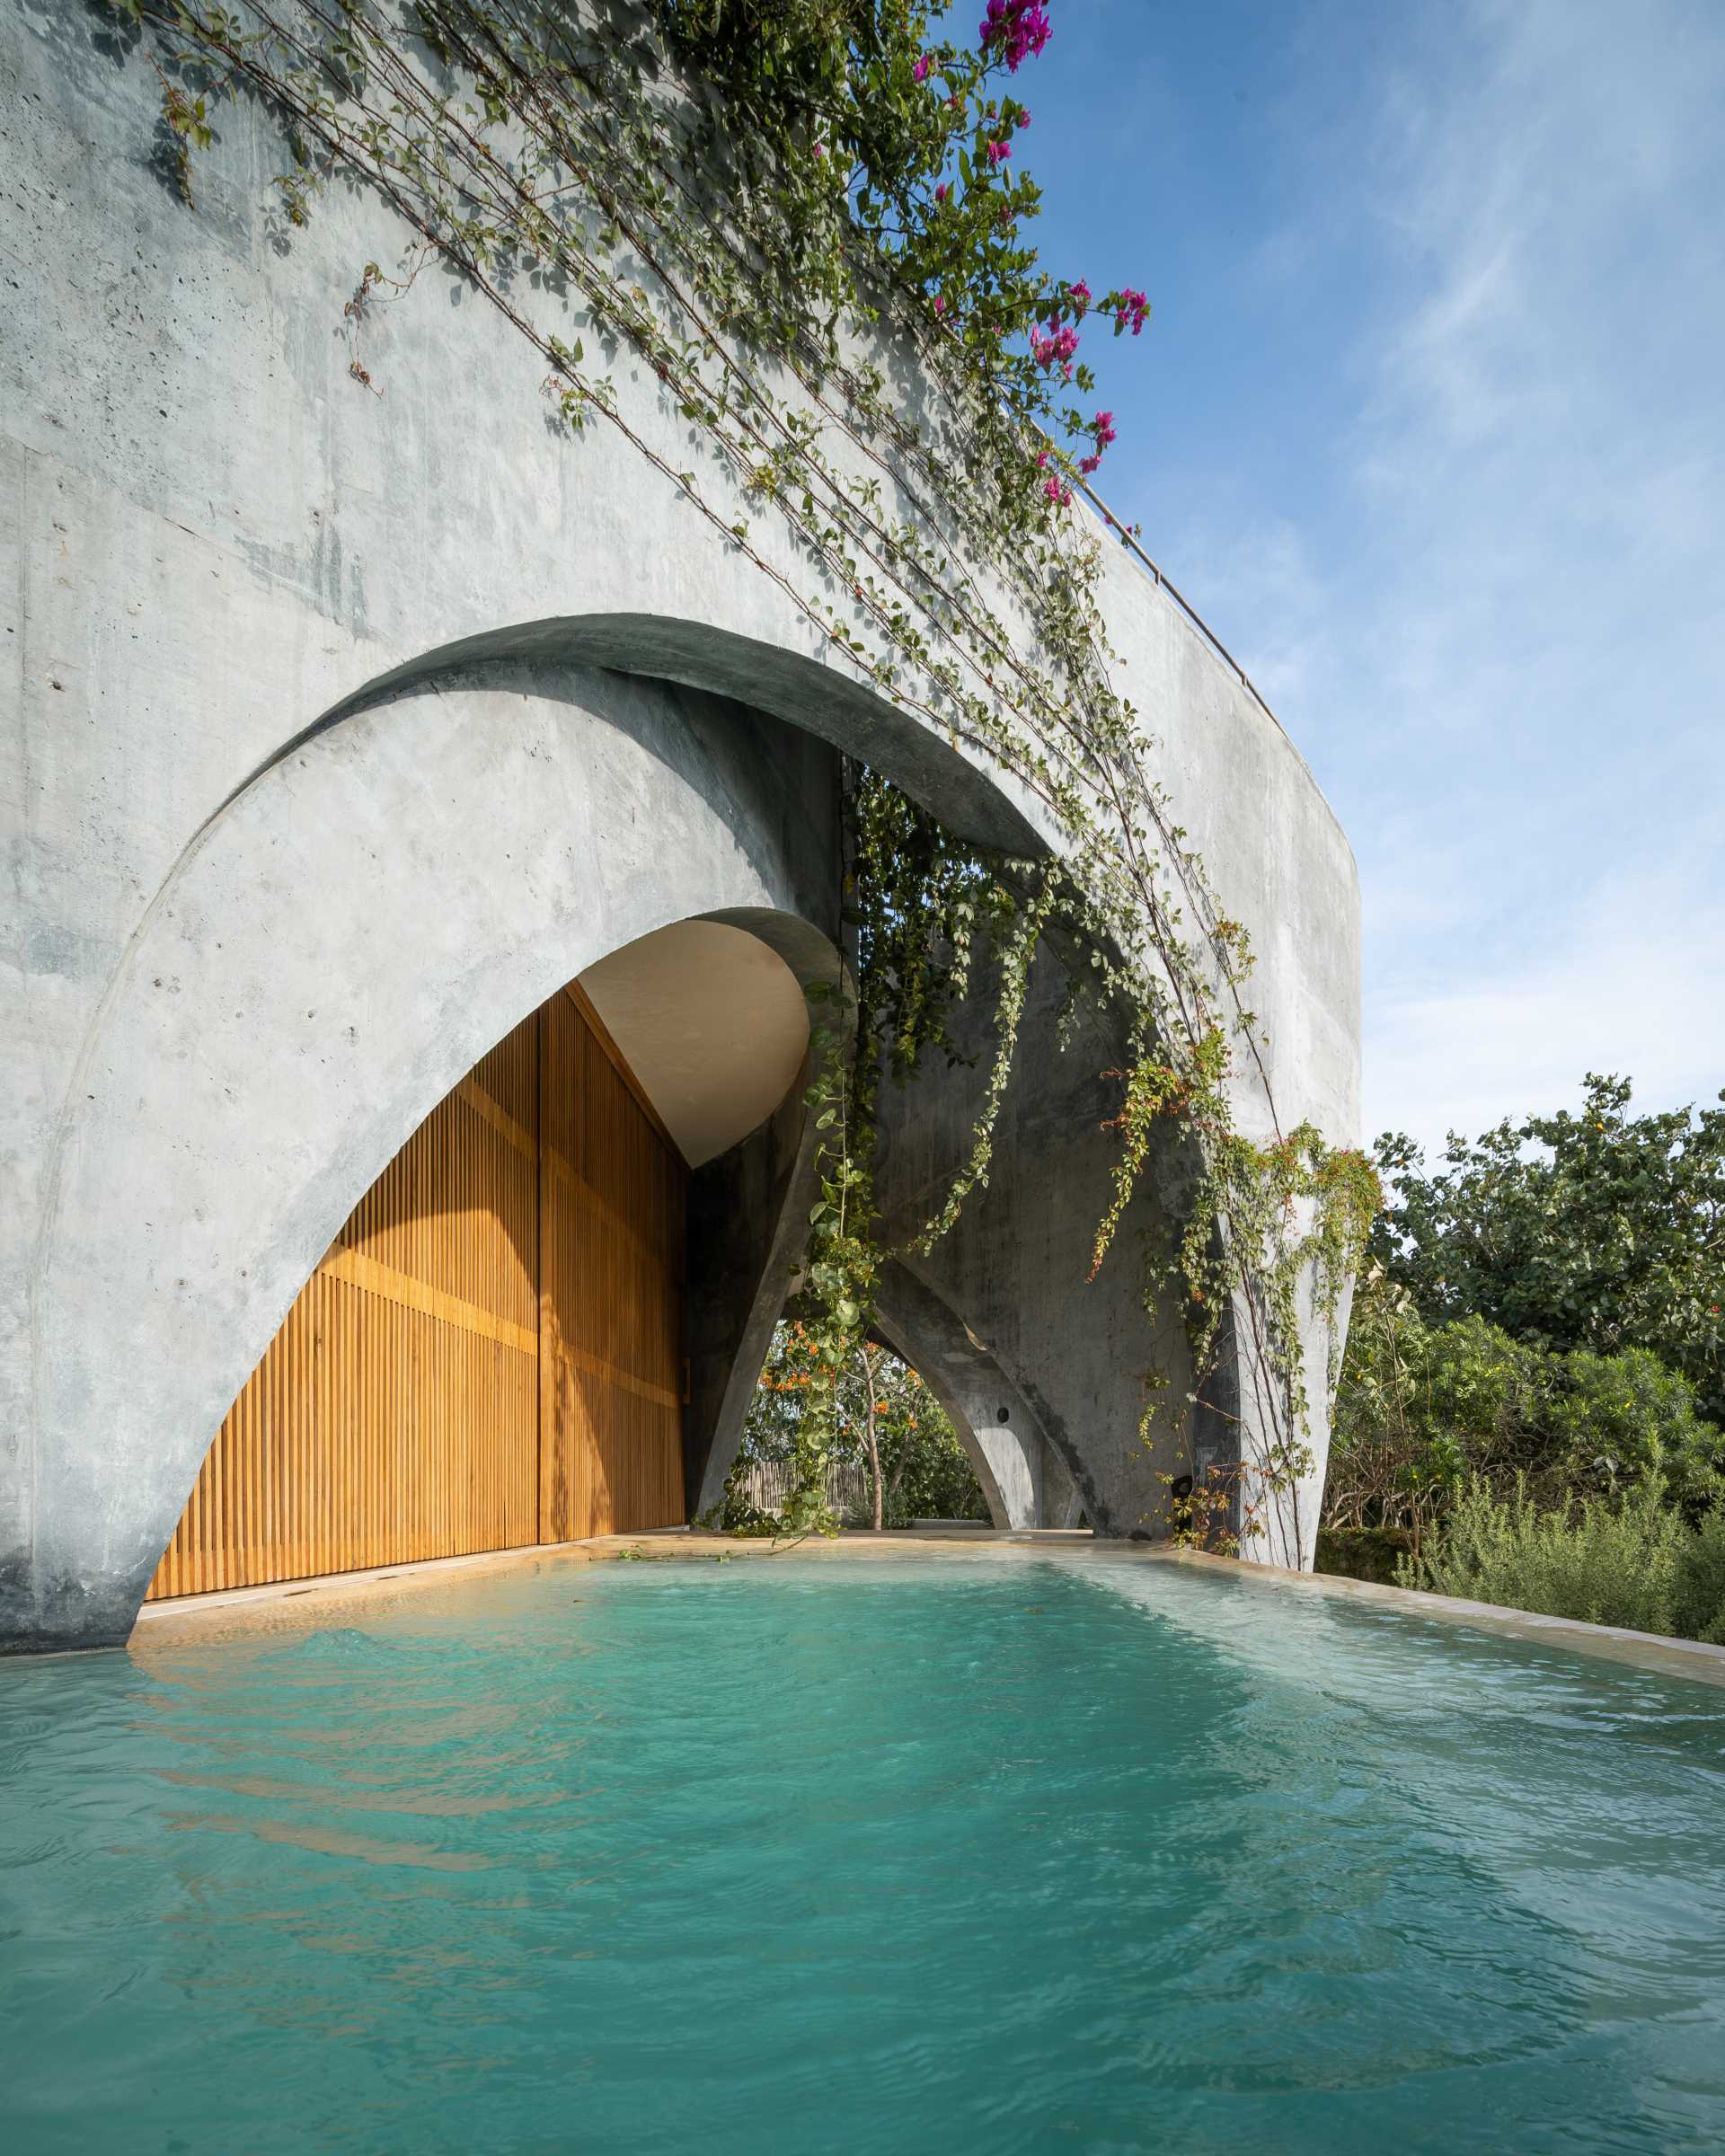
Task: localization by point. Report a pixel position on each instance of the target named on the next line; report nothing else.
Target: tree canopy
(1599, 1230)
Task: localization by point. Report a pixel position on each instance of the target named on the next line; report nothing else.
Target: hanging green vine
(745, 196)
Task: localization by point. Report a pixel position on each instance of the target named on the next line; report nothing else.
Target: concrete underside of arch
(339, 724)
(1023, 1477)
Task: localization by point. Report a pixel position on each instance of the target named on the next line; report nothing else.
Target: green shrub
(1419, 1408)
(1615, 1416)
(1597, 1562)
(1483, 1388)
(1423, 1410)
(1700, 1608)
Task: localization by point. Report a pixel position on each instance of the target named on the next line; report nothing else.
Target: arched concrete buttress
(1006, 1296)
(1022, 1475)
(340, 946)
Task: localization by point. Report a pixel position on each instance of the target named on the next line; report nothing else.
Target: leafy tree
(1420, 1408)
(1536, 1349)
(927, 1472)
(1600, 1231)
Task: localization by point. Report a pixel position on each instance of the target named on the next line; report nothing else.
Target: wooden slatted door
(489, 1354)
(612, 1196)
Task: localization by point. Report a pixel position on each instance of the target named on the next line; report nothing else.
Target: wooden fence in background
(849, 1487)
(489, 1355)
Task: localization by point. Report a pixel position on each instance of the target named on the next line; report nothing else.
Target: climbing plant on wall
(752, 202)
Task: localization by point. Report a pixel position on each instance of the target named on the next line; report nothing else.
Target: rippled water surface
(974, 1854)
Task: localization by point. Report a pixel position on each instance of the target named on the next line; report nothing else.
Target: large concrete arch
(227, 562)
(277, 521)
(340, 944)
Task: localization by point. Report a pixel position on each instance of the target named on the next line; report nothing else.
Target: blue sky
(1429, 423)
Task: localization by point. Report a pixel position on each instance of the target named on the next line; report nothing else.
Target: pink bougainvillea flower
(940, 303)
(1055, 347)
(919, 72)
(1057, 493)
(1087, 464)
(1080, 296)
(1132, 311)
(1103, 427)
(942, 192)
(1042, 460)
(998, 152)
(1014, 31)
(1023, 119)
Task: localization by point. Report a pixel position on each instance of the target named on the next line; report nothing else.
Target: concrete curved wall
(187, 428)
(714, 1024)
(1021, 1474)
(228, 561)
(338, 948)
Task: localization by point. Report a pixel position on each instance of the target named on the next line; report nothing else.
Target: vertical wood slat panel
(511, 1372)
(612, 1192)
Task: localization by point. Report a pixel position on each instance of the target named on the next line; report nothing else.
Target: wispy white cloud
(1617, 994)
(1498, 625)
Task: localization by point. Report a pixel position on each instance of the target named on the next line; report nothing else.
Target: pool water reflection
(946, 1854)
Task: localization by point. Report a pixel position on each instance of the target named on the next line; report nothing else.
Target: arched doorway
(492, 1352)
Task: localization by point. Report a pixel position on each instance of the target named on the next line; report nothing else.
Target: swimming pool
(944, 1853)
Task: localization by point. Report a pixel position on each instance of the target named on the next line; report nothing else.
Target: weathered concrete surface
(215, 546)
(1023, 1475)
(1074, 1353)
(339, 946)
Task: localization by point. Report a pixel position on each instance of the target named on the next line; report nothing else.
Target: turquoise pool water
(976, 1854)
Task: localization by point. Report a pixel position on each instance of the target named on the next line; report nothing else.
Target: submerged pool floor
(954, 1854)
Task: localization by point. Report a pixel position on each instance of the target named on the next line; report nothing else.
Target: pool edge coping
(368, 1582)
(1694, 1659)
(1658, 1652)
